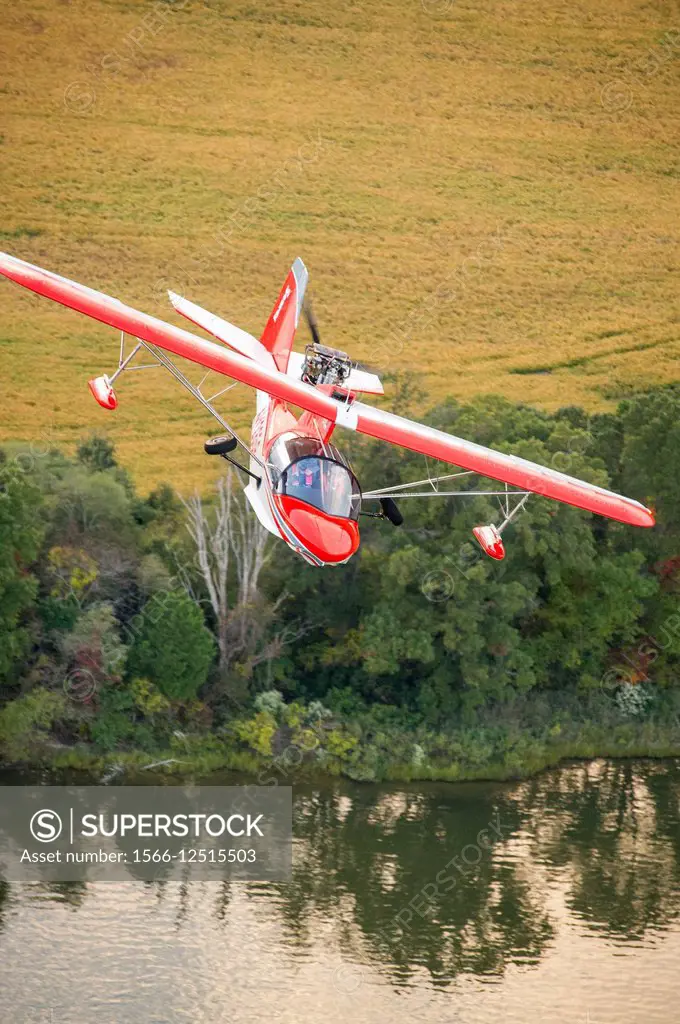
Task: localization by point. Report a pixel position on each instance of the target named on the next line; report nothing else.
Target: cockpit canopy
(315, 473)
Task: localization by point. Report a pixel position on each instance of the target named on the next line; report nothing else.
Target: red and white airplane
(300, 485)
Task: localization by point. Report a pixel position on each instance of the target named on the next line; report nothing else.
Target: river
(560, 904)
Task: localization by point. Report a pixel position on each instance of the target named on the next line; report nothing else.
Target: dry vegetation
(385, 142)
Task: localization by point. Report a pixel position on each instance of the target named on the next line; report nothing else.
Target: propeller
(313, 325)
(311, 321)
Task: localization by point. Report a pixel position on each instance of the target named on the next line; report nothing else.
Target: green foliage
(73, 572)
(20, 537)
(153, 575)
(294, 714)
(94, 646)
(423, 621)
(172, 646)
(318, 712)
(97, 453)
(58, 614)
(420, 658)
(340, 744)
(633, 700)
(92, 504)
(272, 702)
(138, 716)
(148, 698)
(116, 724)
(25, 724)
(257, 732)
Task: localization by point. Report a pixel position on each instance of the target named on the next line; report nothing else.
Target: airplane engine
(490, 541)
(103, 392)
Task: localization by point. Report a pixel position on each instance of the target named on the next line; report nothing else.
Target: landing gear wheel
(220, 445)
(391, 511)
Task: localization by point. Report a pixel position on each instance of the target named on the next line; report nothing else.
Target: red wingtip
(639, 515)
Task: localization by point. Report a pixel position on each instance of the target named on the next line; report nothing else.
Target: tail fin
(279, 333)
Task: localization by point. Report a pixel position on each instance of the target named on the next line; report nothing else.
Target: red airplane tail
(279, 333)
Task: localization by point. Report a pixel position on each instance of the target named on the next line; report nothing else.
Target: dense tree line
(144, 624)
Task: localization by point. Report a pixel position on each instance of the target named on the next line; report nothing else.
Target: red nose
(330, 538)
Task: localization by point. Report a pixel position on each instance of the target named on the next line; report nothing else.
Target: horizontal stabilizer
(233, 336)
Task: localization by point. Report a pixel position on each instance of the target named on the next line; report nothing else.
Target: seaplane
(299, 483)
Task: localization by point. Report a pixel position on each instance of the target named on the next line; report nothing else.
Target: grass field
(484, 191)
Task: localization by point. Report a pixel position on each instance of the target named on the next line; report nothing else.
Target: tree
(172, 646)
(423, 620)
(97, 453)
(93, 648)
(651, 460)
(95, 505)
(232, 549)
(20, 537)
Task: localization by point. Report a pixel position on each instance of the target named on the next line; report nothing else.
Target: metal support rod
(185, 382)
(419, 483)
(218, 394)
(122, 365)
(442, 494)
(243, 469)
(518, 506)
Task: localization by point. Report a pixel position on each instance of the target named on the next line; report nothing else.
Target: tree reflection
(461, 878)
(4, 902)
(612, 828)
(384, 854)
(374, 858)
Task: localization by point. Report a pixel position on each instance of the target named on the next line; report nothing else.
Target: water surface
(560, 904)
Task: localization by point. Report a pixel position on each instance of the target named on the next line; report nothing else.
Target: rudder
(279, 333)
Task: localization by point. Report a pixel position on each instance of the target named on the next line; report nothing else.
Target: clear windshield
(324, 484)
(314, 473)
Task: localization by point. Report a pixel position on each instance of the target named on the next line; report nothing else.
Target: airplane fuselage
(306, 493)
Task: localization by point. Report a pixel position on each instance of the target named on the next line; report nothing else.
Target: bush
(632, 700)
(115, 724)
(148, 698)
(26, 721)
(272, 702)
(94, 646)
(20, 537)
(257, 732)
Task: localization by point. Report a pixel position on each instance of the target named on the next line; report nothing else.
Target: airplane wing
(365, 419)
(166, 336)
(509, 469)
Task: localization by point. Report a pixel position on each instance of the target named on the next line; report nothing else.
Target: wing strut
(194, 390)
(102, 387)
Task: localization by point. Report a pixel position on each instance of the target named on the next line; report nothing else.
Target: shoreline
(288, 769)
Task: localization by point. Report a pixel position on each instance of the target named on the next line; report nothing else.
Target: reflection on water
(552, 900)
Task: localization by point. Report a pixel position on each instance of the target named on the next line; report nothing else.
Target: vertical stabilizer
(279, 334)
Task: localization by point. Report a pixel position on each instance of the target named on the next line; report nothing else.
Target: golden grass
(384, 142)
